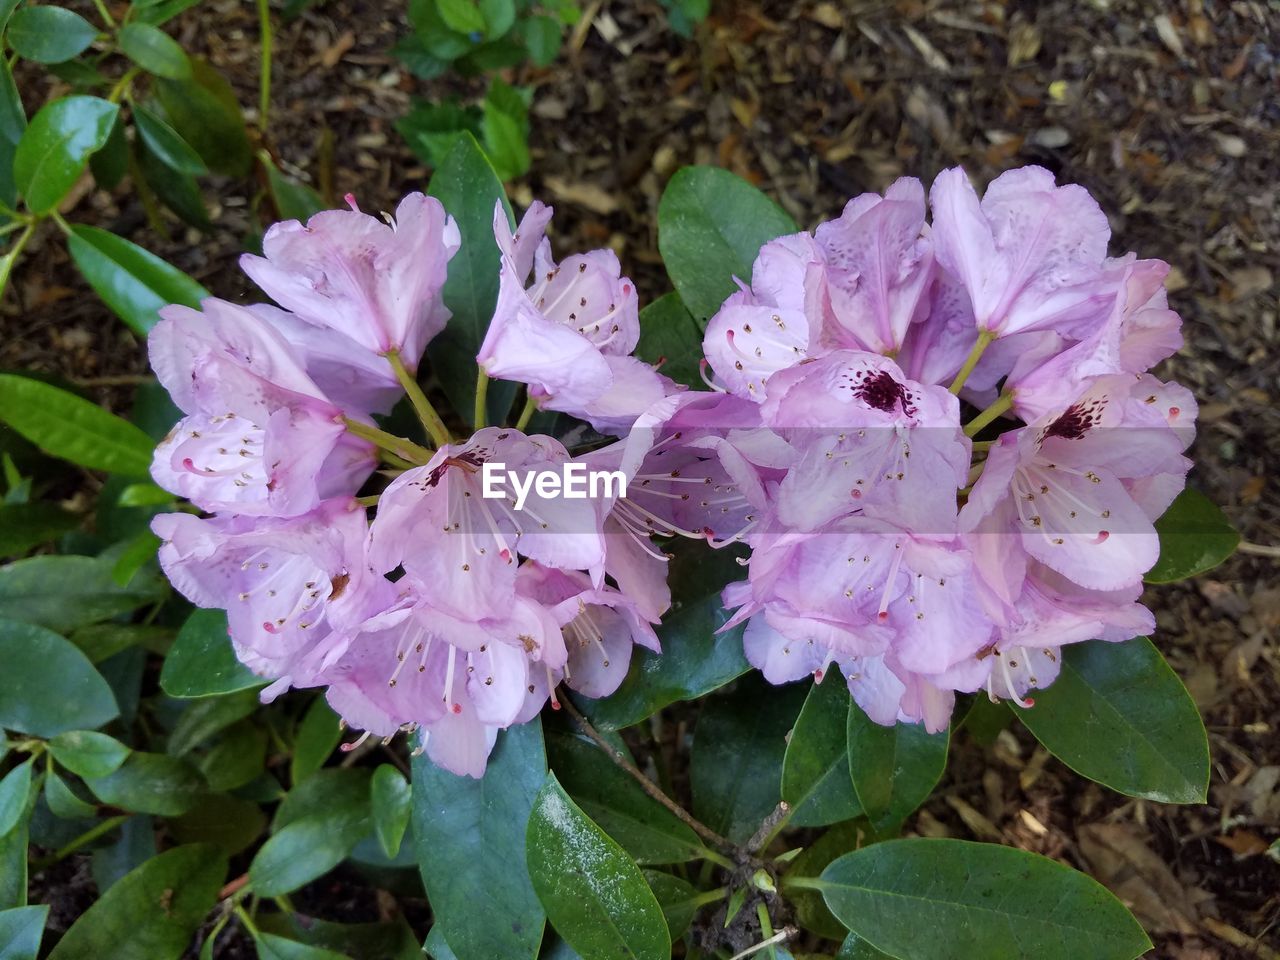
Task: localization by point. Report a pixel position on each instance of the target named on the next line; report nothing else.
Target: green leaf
(13, 120)
(21, 930)
(738, 746)
(711, 225)
(151, 783)
(63, 801)
(203, 719)
(894, 769)
(165, 142)
(978, 900)
(155, 13)
(1195, 536)
(26, 525)
(815, 769)
(696, 659)
(154, 51)
(316, 828)
(470, 835)
(468, 187)
(111, 163)
(202, 662)
(236, 758)
(177, 190)
(272, 947)
(855, 948)
(15, 788)
(499, 16)
(594, 894)
(13, 868)
(205, 112)
(504, 125)
(1118, 714)
(55, 148)
(153, 913)
(461, 15)
(69, 427)
(678, 899)
(293, 199)
(811, 909)
(229, 823)
(49, 34)
(65, 592)
(47, 685)
(646, 829)
(101, 641)
(88, 753)
(392, 940)
(542, 37)
(669, 335)
(318, 734)
(391, 801)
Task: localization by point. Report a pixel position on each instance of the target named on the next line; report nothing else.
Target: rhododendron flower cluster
(933, 440)
(920, 560)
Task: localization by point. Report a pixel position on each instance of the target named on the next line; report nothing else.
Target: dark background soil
(1167, 112)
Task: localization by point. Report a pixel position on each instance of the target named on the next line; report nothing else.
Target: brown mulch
(1168, 112)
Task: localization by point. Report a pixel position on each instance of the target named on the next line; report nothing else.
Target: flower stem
(482, 396)
(405, 449)
(984, 340)
(766, 928)
(648, 785)
(264, 72)
(90, 835)
(986, 416)
(426, 413)
(530, 408)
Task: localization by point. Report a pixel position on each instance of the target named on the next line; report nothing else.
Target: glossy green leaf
(738, 746)
(205, 112)
(88, 753)
(65, 592)
(505, 126)
(811, 910)
(13, 121)
(678, 899)
(55, 148)
(272, 947)
(15, 788)
(111, 163)
(47, 685)
(166, 143)
(318, 735)
(153, 913)
(499, 16)
(178, 191)
(63, 801)
(236, 757)
(151, 783)
(711, 225)
(13, 868)
(594, 894)
(21, 930)
(391, 940)
(470, 836)
(154, 51)
(293, 199)
(646, 829)
(100, 641)
(894, 769)
(26, 525)
(464, 16)
(1118, 714)
(671, 337)
(695, 658)
(977, 900)
(202, 662)
(72, 428)
(49, 34)
(315, 829)
(815, 769)
(1195, 536)
(391, 800)
(205, 718)
(468, 187)
(542, 37)
(228, 822)
(855, 948)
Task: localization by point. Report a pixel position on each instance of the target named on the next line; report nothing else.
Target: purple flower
(377, 283)
(1027, 253)
(570, 334)
(260, 437)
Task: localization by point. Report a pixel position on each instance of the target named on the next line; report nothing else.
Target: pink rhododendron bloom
(260, 437)
(1025, 253)
(570, 333)
(377, 283)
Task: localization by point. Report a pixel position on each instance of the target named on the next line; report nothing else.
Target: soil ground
(1167, 112)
